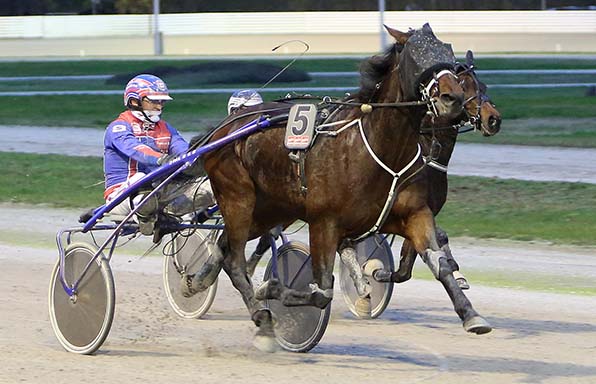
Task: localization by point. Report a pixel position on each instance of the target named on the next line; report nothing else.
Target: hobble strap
(328, 293)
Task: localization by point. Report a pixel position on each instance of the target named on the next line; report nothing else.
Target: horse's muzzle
(452, 103)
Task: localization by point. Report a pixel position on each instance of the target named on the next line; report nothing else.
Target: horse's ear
(426, 29)
(469, 58)
(400, 37)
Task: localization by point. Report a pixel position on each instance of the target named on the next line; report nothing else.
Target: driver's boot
(147, 215)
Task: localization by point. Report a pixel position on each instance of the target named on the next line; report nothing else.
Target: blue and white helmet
(243, 98)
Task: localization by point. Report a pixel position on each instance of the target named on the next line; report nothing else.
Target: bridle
(475, 121)
(430, 90)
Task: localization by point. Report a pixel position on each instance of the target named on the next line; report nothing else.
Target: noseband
(474, 120)
(431, 89)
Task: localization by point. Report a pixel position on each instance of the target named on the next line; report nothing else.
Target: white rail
(294, 23)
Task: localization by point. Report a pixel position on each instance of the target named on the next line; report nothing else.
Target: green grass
(554, 131)
(520, 280)
(104, 67)
(479, 207)
(563, 213)
(188, 113)
(60, 181)
(530, 116)
(556, 117)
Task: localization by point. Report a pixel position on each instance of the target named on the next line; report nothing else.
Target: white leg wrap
(432, 259)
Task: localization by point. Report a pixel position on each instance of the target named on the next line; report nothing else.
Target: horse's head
(481, 112)
(426, 71)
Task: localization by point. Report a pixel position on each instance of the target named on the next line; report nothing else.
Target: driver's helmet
(149, 86)
(243, 98)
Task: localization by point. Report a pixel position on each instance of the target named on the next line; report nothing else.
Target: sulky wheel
(373, 247)
(297, 329)
(188, 252)
(82, 321)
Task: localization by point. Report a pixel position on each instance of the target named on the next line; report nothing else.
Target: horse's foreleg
(443, 241)
(234, 265)
(421, 231)
(323, 247)
(324, 241)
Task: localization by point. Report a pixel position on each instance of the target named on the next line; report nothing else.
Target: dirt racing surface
(537, 337)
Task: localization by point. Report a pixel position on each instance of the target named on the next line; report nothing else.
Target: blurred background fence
(255, 33)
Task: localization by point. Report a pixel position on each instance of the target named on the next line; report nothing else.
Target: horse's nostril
(447, 98)
(494, 122)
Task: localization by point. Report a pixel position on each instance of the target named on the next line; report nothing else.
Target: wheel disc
(82, 322)
(189, 252)
(297, 329)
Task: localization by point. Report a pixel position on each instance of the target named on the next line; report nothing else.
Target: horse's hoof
(266, 344)
(477, 325)
(363, 307)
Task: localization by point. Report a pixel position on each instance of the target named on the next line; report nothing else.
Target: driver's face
(152, 105)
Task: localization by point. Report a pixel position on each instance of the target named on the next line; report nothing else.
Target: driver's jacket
(131, 146)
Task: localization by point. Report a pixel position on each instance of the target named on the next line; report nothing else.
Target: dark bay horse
(351, 177)
(438, 139)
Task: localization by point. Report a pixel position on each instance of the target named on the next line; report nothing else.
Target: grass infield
(562, 213)
(551, 116)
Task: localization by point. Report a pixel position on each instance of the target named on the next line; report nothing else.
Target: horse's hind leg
(263, 246)
(421, 231)
(206, 276)
(408, 257)
(347, 256)
(406, 262)
(443, 241)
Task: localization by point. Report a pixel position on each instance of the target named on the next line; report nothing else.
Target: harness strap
(435, 164)
(391, 195)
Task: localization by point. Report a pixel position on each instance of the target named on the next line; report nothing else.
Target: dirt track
(538, 337)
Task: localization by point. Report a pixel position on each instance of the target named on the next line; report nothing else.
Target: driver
(138, 142)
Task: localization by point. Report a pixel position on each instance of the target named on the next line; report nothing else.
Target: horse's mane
(374, 69)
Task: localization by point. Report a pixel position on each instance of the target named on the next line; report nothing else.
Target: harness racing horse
(438, 142)
(352, 173)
